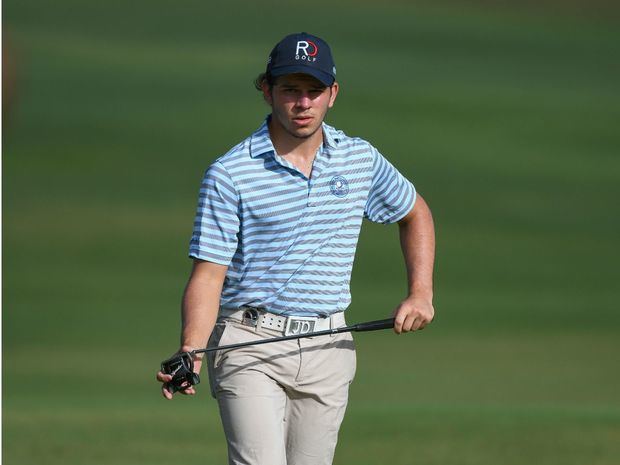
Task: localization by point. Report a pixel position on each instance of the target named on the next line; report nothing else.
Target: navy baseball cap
(303, 53)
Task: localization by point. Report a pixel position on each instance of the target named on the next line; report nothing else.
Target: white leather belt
(288, 325)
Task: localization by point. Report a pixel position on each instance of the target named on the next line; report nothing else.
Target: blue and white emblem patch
(339, 186)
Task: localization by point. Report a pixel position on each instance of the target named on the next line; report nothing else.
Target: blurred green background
(506, 119)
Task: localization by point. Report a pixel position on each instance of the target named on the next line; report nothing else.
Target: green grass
(506, 120)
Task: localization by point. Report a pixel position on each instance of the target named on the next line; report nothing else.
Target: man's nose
(303, 100)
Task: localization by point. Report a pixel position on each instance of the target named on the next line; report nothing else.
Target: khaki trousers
(280, 403)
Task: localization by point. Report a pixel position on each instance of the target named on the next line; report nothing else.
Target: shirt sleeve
(391, 195)
(216, 225)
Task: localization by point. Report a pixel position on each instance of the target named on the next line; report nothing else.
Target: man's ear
(334, 93)
(266, 92)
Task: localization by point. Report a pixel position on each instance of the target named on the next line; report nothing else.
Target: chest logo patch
(339, 186)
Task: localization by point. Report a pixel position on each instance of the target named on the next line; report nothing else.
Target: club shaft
(367, 326)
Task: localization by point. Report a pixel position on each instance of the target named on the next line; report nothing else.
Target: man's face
(299, 103)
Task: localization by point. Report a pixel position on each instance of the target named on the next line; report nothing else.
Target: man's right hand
(166, 389)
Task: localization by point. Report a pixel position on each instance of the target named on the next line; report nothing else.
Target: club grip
(375, 325)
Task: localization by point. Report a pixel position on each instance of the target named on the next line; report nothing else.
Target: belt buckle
(298, 325)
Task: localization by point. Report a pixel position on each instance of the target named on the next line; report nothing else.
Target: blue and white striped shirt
(289, 241)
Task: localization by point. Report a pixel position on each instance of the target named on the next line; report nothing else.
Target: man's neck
(287, 145)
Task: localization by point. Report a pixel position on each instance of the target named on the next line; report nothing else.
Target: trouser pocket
(218, 338)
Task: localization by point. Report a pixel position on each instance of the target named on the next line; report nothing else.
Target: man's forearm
(201, 304)
(417, 239)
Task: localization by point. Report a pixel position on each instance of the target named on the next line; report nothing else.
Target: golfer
(274, 239)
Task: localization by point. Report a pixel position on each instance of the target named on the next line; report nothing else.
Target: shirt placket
(320, 160)
(320, 163)
(298, 176)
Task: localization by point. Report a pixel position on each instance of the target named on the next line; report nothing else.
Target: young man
(274, 239)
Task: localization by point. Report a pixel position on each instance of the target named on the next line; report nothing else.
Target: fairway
(506, 120)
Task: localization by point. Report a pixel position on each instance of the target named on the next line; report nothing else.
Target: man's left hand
(413, 314)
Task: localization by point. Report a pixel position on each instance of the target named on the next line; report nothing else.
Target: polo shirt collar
(331, 136)
(260, 142)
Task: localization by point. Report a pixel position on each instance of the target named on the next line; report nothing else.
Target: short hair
(264, 78)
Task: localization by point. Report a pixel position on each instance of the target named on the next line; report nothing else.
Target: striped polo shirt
(289, 241)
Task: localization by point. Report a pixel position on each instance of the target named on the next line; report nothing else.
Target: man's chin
(304, 133)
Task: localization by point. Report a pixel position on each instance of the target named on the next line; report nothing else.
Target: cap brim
(322, 76)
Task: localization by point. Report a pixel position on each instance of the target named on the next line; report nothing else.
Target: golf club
(181, 366)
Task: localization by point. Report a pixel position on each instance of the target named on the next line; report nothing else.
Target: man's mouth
(302, 120)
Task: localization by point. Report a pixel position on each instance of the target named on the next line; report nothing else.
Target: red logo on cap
(316, 49)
